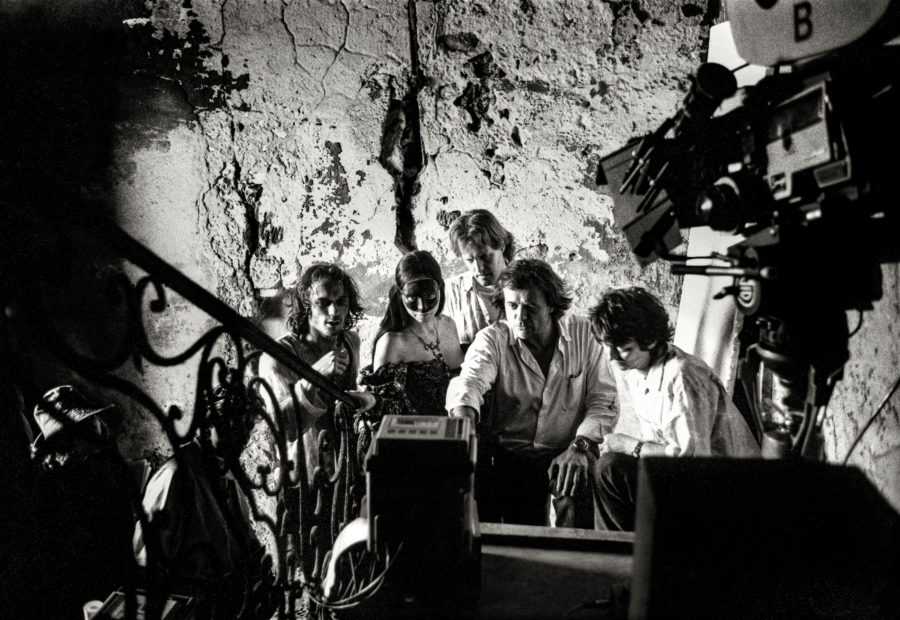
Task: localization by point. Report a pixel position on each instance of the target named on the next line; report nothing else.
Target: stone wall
(348, 132)
(255, 138)
(251, 138)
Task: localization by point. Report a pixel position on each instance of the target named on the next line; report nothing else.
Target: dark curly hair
(298, 321)
(631, 314)
(533, 273)
(480, 227)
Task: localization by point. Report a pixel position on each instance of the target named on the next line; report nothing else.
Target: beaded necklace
(434, 347)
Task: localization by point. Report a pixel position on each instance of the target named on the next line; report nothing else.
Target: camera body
(802, 165)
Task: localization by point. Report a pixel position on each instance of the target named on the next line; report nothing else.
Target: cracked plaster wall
(254, 137)
(516, 102)
(344, 131)
(330, 141)
(868, 379)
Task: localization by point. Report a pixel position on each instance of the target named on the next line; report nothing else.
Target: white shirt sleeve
(601, 408)
(477, 374)
(689, 411)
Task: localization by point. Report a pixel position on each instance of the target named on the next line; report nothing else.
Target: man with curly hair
(681, 406)
(552, 398)
(326, 307)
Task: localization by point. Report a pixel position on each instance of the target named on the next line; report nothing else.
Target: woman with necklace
(416, 350)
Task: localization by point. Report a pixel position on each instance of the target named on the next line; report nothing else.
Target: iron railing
(309, 510)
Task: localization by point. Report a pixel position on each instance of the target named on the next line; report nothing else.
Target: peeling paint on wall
(351, 132)
(509, 86)
(174, 44)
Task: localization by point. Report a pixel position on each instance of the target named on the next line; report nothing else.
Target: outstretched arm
(465, 393)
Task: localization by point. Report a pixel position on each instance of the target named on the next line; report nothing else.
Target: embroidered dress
(406, 388)
(409, 388)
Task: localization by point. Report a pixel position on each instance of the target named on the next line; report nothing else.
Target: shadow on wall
(57, 96)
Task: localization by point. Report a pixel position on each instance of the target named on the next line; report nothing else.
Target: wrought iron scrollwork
(229, 404)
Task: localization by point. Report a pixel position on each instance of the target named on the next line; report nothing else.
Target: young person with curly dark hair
(681, 406)
(326, 307)
(552, 400)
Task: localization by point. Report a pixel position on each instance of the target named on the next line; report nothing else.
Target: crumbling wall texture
(350, 132)
(255, 137)
(865, 391)
(278, 134)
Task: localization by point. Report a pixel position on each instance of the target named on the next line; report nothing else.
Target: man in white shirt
(486, 247)
(682, 408)
(552, 397)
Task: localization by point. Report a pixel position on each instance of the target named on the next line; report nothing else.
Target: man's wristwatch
(636, 453)
(585, 446)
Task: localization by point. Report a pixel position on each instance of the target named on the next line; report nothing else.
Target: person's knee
(611, 467)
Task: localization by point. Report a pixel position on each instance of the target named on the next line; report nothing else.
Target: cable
(872, 419)
(364, 593)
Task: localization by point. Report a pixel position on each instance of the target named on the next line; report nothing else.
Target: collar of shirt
(468, 281)
(470, 284)
(653, 380)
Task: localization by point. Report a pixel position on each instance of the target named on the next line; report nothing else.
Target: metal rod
(765, 273)
(133, 250)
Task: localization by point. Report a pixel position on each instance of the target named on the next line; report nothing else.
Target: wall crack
(402, 151)
(290, 33)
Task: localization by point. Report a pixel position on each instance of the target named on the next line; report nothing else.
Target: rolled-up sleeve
(601, 408)
(478, 372)
(687, 426)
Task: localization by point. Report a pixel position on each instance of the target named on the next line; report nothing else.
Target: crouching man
(552, 398)
(681, 406)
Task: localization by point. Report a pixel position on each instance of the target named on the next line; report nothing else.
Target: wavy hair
(298, 321)
(416, 265)
(533, 273)
(480, 227)
(631, 314)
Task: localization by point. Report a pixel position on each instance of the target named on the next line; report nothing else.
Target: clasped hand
(333, 363)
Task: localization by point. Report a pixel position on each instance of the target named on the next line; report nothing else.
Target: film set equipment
(419, 540)
(803, 166)
(762, 538)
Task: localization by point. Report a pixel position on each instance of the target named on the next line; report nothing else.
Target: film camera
(803, 167)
